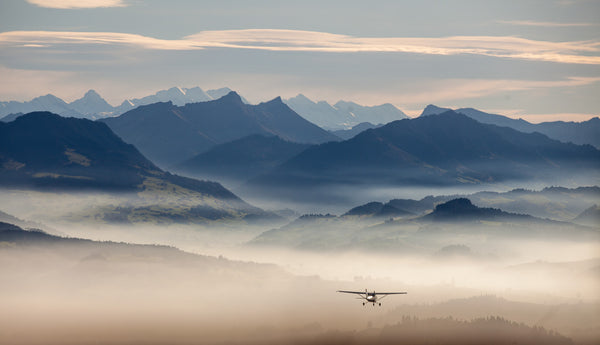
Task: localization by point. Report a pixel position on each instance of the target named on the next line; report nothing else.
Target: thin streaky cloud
(572, 52)
(545, 24)
(49, 38)
(77, 4)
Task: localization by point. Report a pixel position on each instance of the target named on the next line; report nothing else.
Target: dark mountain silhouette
(59, 252)
(241, 159)
(370, 208)
(586, 132)
(45, 149)
(8, 218)
(456, 219)
(445, 149)
(14, 234)
(168, 134)
(377, 209)
(42, 150)
(462, 209)
(419, 206)
(556, 203)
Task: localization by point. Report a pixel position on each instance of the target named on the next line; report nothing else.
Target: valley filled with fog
(275, 280)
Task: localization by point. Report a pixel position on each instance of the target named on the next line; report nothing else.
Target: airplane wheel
(363, 304)
(380, 304)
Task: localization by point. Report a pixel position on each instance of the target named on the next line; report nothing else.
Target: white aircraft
(372, 297)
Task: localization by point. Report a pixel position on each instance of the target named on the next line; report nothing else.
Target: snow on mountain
(91, 104)
(343, 115)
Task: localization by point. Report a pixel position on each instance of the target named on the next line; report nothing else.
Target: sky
(534, 59)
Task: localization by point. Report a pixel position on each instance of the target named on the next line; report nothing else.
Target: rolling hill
(44, 151)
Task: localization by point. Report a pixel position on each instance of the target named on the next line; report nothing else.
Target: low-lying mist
(218, 284)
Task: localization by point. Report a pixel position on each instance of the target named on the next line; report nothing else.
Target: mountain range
(344, 119)
(169, 134)
(93, 106)
(343, 114)
(45, 151)
(586, 132)
(444, 149)
(455, 219)
(557, 203)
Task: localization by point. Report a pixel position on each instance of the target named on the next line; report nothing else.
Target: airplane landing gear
(363, 303)
(380, 304)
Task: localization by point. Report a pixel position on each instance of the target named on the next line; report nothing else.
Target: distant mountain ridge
(461, 209)
(449, 221)
(585, 132)
(445, 149)
(169, 134)
(558, 203)
(343, 115)
(92, 106)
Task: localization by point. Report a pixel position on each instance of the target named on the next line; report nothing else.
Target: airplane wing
(391, 293)
(354, 292)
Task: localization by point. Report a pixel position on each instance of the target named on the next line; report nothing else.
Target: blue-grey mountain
(585, 132)
(343, 115)
(93, 106)
(558, 203)
(169, 134)
(48, 102)
(241, 159)
(350, 133)
(445, 149)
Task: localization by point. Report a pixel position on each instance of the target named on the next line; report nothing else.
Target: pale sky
(538, 59)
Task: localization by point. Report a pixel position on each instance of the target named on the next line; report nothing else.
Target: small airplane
(372, 297)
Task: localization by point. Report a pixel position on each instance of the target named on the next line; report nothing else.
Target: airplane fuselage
(372, 297)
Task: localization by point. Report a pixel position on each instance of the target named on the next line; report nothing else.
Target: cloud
(50, 38)
(573, 52)
(545, 24)
(77, 4)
